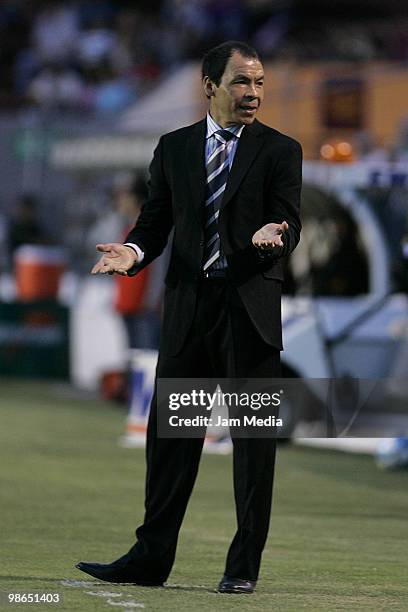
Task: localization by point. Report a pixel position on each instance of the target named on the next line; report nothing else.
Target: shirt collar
(212, 127)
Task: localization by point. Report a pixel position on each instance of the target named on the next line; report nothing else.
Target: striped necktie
(217, 176)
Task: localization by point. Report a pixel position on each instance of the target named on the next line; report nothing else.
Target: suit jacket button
(202, 242)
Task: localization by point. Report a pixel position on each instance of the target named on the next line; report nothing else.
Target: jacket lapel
(249, 144)
(248, 147)
(195, 163)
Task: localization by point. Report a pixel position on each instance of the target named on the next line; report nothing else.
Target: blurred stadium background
(86, 90)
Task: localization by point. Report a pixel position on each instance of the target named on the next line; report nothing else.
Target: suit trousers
(222, 343)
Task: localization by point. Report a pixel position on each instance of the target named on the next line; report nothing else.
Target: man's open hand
(116, 258)
(268, 237)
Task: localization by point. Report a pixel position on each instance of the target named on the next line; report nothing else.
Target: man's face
(240, 92)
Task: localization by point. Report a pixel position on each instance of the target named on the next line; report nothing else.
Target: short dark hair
(216, 59)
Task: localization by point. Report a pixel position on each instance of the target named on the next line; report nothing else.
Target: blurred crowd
(101, 55)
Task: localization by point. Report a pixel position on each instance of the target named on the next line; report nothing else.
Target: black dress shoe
(236, 585)
(120, 571)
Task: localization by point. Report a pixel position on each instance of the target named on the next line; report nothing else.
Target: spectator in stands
(96, 43)
(56, 86)
(55, 32)
(112, 93)
(24, 225)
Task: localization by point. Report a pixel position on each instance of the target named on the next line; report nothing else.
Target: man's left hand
(269, 237)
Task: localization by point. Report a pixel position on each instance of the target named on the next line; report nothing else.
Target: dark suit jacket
(263, 186)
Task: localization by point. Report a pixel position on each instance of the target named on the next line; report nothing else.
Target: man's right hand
(117, 258)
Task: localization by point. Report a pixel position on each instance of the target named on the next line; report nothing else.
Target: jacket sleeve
(155, 221)
(283, 199)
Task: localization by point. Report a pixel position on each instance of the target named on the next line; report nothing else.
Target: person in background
(133, 296)
(4, 247)
(24, 227)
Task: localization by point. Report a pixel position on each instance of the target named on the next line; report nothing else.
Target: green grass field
(338, 537)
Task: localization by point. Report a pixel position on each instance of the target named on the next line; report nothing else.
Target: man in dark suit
(230, 187)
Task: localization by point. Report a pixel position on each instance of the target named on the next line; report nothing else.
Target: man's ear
(208, 87)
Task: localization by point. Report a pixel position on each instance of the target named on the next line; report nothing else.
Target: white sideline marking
(126, 604)
(108, 596)
(103, 594)
(77, 583)
(186, 586)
